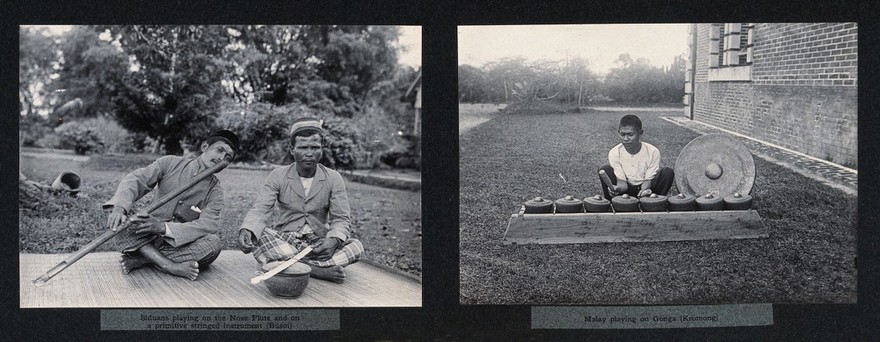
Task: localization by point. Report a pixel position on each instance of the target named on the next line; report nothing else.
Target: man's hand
(149, 225)
(116, 218)
(246, 241)
(324, 250)
(646, 192)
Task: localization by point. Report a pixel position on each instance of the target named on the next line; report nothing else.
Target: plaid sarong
(204, 250)
(280, 246)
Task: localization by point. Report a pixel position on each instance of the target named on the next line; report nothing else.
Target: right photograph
(631, 164)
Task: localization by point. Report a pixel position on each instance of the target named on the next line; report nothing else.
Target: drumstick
(606, 179)
(284, 265)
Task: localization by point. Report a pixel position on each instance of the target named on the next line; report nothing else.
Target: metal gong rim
(716, 164)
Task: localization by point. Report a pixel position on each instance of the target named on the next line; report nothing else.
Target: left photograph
(219, 166)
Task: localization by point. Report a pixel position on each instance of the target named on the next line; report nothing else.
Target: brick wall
(802, 94)
(815, 54)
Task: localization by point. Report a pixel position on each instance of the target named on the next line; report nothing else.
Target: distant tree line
(571, 81)
(169, 86)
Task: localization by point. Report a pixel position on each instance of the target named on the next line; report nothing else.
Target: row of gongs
(626, 203)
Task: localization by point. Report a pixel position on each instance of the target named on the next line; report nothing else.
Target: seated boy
(634, 166)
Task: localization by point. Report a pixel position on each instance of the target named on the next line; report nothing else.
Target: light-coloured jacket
(163, 176)
(326, 208)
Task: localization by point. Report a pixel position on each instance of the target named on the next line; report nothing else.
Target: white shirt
(635, 168)
(307, 185)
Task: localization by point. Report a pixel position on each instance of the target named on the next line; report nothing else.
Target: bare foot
(131, 263)
(335, 274)
(186, 269)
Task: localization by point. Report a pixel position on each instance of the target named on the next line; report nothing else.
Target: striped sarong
(280, 246)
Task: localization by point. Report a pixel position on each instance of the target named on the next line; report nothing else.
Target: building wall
(802, 94)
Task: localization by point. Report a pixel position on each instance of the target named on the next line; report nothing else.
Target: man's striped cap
(305, 124)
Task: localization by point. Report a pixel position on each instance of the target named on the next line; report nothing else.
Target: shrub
(404, 153)
(115, 138)
(140, 142)
(81, 138)
(50, 140)
(94, 135)
(32, 128)
(259, 126)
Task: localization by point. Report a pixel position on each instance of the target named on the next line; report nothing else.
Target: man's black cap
(227, 136)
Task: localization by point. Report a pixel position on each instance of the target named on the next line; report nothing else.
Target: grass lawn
(387, 221)
(808, 258)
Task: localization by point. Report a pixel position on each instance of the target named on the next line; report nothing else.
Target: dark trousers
(661, 185)
(203, 250)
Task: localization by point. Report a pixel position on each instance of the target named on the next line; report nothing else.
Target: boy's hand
(646, 192)
(617, 189)
(612, 190)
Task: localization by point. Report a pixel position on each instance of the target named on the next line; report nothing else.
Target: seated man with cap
(313, 210)
(179, 238)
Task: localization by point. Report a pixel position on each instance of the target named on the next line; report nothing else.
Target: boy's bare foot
(186, 269)
(335, 274)
(131, 263)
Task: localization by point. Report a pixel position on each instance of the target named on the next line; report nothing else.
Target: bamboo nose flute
(128, 221)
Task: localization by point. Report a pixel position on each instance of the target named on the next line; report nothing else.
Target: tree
(92, 72)
(675, 75)
(329, 68)
(636, 82)
(353, 59)
(173, 90)
(473, 85)
(580, 82)
(525, 81)
(39, 62)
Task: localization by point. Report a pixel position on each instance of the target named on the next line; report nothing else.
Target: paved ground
(833, 175)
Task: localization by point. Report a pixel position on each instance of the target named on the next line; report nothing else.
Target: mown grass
(387, 221)
(808, 258)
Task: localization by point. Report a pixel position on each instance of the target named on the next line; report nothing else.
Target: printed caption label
(651, 317)
(247, 320)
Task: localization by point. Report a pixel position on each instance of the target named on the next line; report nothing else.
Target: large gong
(716, 164)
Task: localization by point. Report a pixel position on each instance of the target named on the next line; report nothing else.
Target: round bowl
(289, 283)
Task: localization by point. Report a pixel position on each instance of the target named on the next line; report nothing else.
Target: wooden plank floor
(96, 281)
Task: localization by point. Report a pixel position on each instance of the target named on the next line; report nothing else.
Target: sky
(411, 40)
(598, 44)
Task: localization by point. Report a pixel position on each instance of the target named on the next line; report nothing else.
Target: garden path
(837, 176)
